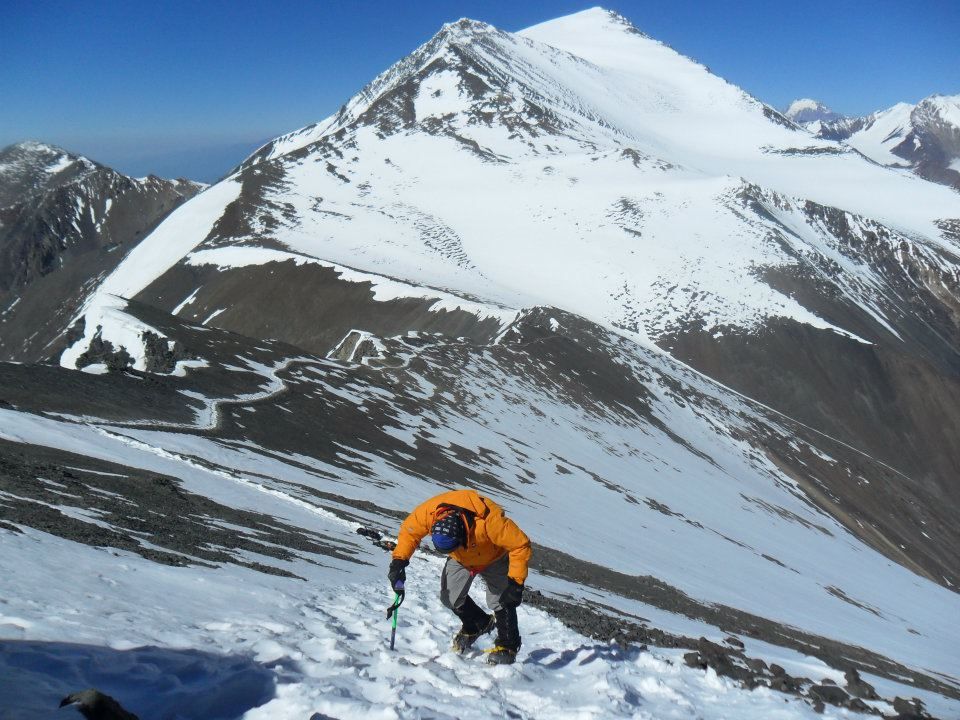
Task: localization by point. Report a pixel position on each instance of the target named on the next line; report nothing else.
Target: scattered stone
(730, 640)
(377, 538)
(369, 533)
(910, 709)
(102, 351)
(830, 694)
(858, 705)
(776, 670)
(858, 687)
(722, 660)
(786, 684)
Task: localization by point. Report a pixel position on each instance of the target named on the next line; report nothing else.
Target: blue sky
(189, 88)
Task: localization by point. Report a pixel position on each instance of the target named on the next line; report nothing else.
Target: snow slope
(235, 638)
(883, 132)
(183, 230)
(239, 643)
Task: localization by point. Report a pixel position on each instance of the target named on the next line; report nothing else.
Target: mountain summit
(807, 111)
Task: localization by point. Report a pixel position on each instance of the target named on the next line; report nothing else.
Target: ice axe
(392, 610)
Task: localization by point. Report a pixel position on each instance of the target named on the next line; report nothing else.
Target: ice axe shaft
(397, 601)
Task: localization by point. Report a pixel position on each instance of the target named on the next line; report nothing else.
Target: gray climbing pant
(455, 582)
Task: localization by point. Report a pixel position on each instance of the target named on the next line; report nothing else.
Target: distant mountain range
(706, 352)
(64, 221)
(924, 137)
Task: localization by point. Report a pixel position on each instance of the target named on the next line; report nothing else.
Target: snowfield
(236, 643)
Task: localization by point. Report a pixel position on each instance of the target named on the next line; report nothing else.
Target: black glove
(397, 574)
(513, 595)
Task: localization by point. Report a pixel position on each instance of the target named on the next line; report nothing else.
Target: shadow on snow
(154, 683)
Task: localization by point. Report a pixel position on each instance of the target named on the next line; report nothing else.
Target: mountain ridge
(924, 137)
(65, 219)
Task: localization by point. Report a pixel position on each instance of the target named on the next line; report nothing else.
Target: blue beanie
(448, 533)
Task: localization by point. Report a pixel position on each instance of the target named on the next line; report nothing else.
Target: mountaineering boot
(463, 641)
(505, 647)
(475, 623)
(501, 656)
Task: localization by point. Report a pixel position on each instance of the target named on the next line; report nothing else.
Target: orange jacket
(490, 534)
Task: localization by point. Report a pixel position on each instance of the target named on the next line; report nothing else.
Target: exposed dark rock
(94, 705)
(858, 705)
(829, 694)
(180, 528)
(786, 684)
(859, 687)
(160, 357)
(102, 351)
(911, 709)
(735, 642)
(282, 300)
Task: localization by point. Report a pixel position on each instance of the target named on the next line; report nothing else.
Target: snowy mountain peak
(566, 104)
(588, 77)
(595, 18)
(924, 137)
(30, 167)
(806, 111)
(940, 109)
(37, 152)
(464, 27)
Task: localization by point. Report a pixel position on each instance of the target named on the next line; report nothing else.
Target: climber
(478, 539)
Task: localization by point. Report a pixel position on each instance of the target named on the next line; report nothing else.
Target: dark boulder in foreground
(94, 705)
